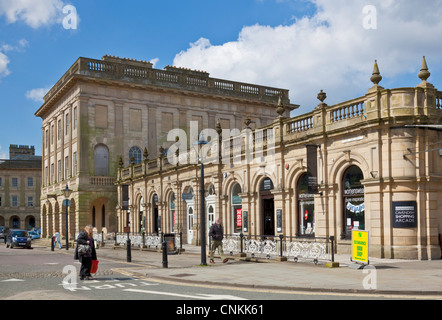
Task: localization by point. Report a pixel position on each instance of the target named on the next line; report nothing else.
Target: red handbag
(94, 266)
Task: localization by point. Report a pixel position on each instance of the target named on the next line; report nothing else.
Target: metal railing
(296, 248)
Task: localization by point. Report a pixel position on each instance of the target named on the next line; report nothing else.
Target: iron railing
(296, 248)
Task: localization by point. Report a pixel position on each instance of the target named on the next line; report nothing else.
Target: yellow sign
(359, 245)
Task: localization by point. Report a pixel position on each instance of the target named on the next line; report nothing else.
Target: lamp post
(67, 193)
(202, 142)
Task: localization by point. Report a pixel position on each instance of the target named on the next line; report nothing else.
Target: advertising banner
(359, 246)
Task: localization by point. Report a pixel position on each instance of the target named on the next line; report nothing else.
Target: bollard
(164, 247)
(129, 253)
(52, 243)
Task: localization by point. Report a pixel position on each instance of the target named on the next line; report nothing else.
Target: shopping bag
(94, 266)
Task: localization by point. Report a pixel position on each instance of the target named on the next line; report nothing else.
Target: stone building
(101, 111)
(372, 163)
(20, 181)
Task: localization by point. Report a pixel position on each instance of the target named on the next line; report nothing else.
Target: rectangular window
(30, 201)
(14, 201)
(66, 167)
(75, 119)
(60, 177)
(30, 182)
(67, 123)
(52, 134)
(74, 161)
(1, 182)
(59, 130)
(52, 173)
(0, 201)
(15, 182)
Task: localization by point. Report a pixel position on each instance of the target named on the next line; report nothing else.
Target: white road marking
(198, 297)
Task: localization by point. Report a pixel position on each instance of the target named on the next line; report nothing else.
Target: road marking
(198, 297)
(13, 280)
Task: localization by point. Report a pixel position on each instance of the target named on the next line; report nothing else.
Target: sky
(301, 45)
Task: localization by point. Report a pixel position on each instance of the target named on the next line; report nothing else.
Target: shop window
(172, 212)
(353, 201)
(306, 208)
(236, 205)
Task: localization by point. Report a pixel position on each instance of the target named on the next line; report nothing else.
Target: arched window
(306, 208)
(101, 160)
(136, 154)
(236, 207)
(353, 201)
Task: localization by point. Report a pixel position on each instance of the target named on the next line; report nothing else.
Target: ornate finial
(280, 109)
(161, 150)
(218, 127)
(376, 76)
(132, 160)
(120, 162)
(424, 74)
(247, 122)
(145, 154)
(322, 96)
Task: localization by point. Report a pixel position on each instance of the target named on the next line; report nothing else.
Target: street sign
(359, 246)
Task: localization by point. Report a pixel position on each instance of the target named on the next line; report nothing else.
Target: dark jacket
(216, 232)
(82, 239)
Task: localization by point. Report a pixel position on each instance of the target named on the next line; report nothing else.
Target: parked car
(34, 235)
(18, 238)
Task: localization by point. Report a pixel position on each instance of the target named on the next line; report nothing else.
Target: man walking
(217, 234)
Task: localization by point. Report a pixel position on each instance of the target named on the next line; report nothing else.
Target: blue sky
(300, 45)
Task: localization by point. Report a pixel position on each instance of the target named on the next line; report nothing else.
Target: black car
(18, 238)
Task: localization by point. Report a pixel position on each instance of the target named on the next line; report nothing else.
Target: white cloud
(4, 61)
(33, 13)
(330, 50)
(37, 94)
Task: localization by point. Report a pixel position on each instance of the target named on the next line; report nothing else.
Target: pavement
(388, 277)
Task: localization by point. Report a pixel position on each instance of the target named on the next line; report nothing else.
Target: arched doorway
(353, 201)
(267, 208)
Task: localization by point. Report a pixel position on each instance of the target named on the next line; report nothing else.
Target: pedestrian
(217, 234)
(86, 238)
(57, 239)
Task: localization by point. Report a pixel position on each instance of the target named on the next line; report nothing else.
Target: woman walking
(85, 238)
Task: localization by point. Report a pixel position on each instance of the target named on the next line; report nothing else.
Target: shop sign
(404, 214)
(312, 168)
(245, 220)
(279, 220)
(359, 246)
(239, 217)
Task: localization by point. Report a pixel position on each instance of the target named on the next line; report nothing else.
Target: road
(40, 274)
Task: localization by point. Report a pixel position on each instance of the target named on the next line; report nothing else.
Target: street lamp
(67, 193)
(202, 142)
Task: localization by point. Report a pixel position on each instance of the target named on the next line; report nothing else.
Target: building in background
(105, 112)
(20, 187)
